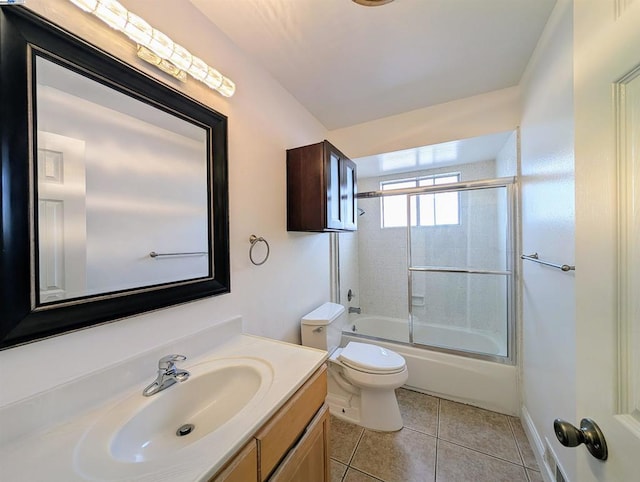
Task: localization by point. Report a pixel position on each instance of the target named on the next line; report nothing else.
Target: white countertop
(52, 453)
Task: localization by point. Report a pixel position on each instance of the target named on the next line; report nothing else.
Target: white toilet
(362, 376)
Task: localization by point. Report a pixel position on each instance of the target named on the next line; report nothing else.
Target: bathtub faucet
(353, 309)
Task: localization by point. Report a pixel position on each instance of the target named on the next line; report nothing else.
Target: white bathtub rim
(477, 356)
(483, 355)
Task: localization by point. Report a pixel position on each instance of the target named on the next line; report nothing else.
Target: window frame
(417, 222)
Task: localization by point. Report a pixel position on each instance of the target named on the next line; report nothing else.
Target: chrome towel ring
(253, 239)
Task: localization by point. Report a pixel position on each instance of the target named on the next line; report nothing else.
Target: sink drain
(186, 429)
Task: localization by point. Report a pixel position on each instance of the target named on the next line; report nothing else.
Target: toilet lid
(371, 358)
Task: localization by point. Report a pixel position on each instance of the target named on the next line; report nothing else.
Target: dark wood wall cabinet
(321, 189)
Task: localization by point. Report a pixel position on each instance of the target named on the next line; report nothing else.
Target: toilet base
(370, 408)
(344, 408)
(380, 410)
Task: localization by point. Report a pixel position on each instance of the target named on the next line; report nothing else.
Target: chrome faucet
(353, 309)
(168, 374)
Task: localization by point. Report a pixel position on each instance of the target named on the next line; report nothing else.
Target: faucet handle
(166, 362)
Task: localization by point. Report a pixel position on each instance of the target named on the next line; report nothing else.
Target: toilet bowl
(362, 376)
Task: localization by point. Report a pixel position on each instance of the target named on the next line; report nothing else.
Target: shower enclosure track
(457, 186)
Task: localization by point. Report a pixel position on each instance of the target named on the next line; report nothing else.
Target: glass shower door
(460, 270)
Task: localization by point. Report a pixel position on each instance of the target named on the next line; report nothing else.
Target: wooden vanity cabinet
(243, 467)
(308, 461)
(293, 446)
(284, 433)
(321, 189)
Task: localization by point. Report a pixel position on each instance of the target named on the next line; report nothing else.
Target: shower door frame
(510, 183)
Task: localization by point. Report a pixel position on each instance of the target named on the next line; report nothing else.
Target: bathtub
(482, 383)
(395, 329)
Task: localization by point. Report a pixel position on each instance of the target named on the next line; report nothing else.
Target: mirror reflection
(102, 165)
(117, 179)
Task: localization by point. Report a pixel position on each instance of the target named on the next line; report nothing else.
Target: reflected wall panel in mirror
(101, 167)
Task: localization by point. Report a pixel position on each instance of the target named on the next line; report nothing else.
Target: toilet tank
(322, 328)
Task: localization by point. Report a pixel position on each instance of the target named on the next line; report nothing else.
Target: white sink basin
(144, 429)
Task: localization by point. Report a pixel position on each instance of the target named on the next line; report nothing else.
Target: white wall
(507, 158)
(496, 111)
(264, 120)
(548, 227)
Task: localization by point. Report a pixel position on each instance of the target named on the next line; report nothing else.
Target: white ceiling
(463, 151)
(349, 64)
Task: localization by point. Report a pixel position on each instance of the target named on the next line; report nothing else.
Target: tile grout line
(414, 430)
(520, 451)
(438, 417)
(435, 464)
(355, 449)
(526, 474)
(362, 472)
(513, 432)
(349, 466)
(483, 453)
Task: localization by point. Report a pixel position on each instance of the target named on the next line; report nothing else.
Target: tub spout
(353, 309)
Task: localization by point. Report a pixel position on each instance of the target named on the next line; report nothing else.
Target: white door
(62, 230)
(607, 151)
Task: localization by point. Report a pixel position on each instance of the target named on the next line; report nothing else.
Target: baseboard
(537, 445)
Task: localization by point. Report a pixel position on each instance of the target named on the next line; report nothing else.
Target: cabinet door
(308, 461)
(335, 209)
(243, 468)
(349, 191)
(277, 437)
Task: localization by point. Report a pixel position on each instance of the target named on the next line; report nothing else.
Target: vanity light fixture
(145, 54)
(155, 47)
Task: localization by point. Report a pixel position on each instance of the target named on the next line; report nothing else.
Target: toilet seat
(371, 359)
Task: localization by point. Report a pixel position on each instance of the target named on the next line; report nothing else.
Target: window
(436, 209)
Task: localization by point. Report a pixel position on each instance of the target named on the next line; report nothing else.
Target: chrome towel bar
(153, 254)
(534, 257)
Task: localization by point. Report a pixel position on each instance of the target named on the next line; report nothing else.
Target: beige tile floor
(441, 441)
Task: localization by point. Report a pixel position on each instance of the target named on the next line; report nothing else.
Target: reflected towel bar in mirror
(153, 254)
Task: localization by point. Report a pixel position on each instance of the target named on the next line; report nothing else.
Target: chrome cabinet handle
(589, 434)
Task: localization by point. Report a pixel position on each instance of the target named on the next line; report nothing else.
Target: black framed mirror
(114, 187)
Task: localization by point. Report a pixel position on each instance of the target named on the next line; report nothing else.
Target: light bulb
(213, 78)
(198, 69)
(147, 55)
(86, 5)
(161, 44)
(138, 30)
(181, 57)
(169, 68)
(112, 13)
(227, 88)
